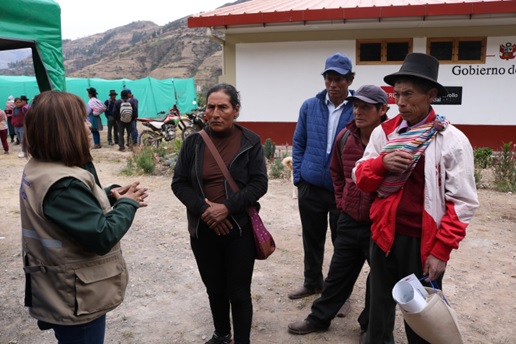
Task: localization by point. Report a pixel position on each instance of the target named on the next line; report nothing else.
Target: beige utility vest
(65, 284)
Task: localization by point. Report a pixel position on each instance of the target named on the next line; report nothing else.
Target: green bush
(269, 149)
(276, 169)
(483, 157)
(505, 169)
(145, 160)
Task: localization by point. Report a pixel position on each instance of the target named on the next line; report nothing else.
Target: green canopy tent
(153, 95)
(35, 24)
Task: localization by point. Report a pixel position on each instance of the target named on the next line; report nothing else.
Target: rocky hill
(138, 50)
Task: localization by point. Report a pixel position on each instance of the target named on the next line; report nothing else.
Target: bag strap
(343, 140)
(218, 159)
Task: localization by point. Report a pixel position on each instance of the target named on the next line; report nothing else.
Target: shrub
(276, 169)
(269, 149)
(483, 158)
(505, 169)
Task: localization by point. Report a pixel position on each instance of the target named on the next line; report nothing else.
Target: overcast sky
(81, 18)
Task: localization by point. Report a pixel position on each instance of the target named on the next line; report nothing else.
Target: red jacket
(18, 116)
(348, 197)
(450, 193)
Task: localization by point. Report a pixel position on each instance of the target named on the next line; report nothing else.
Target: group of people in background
(116, 124)
(397, 193)
(11, 122)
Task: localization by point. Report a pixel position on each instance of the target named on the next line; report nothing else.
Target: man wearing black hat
(320, 119)
(110, 115)
(421, 168)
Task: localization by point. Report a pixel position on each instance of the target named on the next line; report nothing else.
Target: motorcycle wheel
(149, 139)
(190, 130)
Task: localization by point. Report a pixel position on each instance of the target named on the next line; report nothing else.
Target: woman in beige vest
(71, 227)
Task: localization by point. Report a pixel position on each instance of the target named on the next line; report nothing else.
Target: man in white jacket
(421, 168)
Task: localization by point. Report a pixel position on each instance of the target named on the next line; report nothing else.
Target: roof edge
(374, 12)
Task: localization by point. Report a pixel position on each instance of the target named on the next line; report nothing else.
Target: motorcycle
(198, 119)
(161, 129)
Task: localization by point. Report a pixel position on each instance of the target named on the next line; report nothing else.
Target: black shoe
(302, 327)
(220, 340)
(303, 292)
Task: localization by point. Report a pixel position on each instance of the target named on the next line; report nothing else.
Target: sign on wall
(454, 96)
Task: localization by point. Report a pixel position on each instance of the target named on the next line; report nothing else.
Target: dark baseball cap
(370, 94)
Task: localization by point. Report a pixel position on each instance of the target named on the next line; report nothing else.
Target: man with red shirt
(421, 168)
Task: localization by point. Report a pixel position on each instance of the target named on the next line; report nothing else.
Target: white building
(274, 53)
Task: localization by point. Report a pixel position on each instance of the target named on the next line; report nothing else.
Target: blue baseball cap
(128, 90)
(339, 63)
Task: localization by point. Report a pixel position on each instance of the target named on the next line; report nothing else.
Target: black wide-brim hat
(422, 66)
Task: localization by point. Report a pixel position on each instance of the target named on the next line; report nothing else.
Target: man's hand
(434, 268)
(397, 161)
(215, 217)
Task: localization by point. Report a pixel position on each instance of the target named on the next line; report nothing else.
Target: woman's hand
(216, 218)
(132, 191)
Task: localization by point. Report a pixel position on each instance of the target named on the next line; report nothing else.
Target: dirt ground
(166, 300)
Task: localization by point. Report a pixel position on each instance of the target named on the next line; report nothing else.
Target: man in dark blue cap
(320, 119)
(134, 102)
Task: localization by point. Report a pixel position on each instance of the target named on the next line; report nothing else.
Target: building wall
(275, 72)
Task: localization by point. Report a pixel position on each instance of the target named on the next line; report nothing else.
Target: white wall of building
(275, 78)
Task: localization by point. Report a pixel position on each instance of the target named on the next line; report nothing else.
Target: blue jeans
(96, 137)
(19, 131)
(90, 333)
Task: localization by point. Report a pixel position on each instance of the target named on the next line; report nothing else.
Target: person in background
(134, 129)
(25, 102)
(17, 121)
(94, 119)
(3, 131)
(71, 226)
(110, 116)
(123, 126)
(221, 235)
(320, 119)
(9, 107)
(351, 246)
(421, 169)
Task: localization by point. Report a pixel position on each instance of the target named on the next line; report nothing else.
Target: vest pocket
(100, 287)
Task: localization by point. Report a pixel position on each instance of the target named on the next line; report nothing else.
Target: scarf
(414, 142)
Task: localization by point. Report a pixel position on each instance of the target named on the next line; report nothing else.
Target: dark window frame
(455, 41)
(383, 50)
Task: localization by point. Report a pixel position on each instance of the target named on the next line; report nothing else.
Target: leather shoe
(303, 292)
(363, 336)
(345, 309)
(302, 327)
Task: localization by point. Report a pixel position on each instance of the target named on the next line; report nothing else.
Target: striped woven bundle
(414, 142)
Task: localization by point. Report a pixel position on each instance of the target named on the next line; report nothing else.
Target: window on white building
(458, 50)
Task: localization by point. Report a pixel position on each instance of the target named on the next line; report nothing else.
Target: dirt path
(166, 301)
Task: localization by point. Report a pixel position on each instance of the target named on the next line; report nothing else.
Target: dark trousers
(10, 127)
(226, 266)
(3, 138)
(127, 127)
(112, 130)
(90, 333)
(404, 259)
(316, 209)
(350, 251)
(134, 132)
